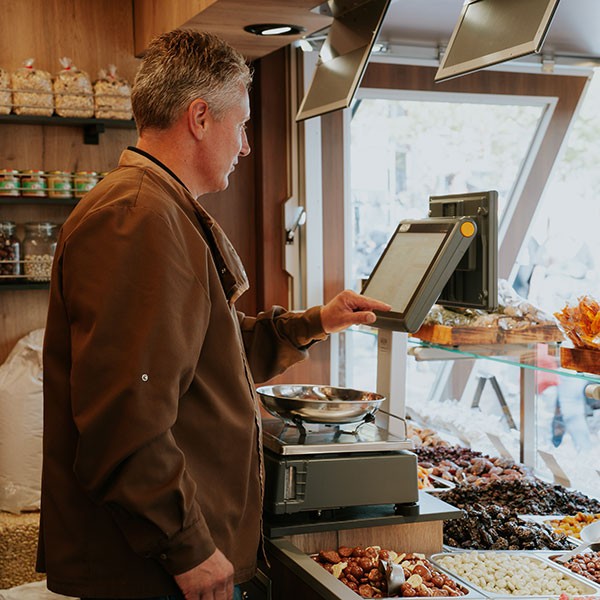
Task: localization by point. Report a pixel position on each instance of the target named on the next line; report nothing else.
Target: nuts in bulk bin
(32, 91)
(73, 96)
(5, 100)
(112, 96)
(10, 252)
(39, 245)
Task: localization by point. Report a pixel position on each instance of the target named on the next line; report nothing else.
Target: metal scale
(347, 461)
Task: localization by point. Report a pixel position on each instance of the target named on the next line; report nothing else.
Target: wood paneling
(94, 35)
(227, 18)
(425, 537)
(332, 152)
(272, 168)
(152, 17)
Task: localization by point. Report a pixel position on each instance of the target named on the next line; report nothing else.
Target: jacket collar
(229, 265)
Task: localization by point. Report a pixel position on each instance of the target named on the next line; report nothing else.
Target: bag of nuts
(32, 91)
(73, 96)
(5, 99)
(112, 95)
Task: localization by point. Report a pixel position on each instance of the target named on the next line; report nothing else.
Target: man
(153, 475)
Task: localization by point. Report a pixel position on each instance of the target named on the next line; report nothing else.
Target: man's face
(228, 141)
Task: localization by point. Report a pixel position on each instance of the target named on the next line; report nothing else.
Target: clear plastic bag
(5, 95)
(32, 91)
(112, 96)
(73, 91)
(21, 407)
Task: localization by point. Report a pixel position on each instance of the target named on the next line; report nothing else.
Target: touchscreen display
(407, 259)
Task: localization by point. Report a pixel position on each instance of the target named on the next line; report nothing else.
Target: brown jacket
(152, 447)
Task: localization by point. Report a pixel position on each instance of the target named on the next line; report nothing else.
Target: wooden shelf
(26, 285)
(40, 201)
(92, 128)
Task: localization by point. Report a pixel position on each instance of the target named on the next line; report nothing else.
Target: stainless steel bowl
(319, 403)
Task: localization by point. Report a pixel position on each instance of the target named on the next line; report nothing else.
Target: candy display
(581, 322)
(494, 527)
(586, 564)
(533, 497)
(511, 574)
(572, 525)
(463, 465)
(360, 569)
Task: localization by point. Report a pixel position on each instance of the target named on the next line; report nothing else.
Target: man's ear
(198, 117)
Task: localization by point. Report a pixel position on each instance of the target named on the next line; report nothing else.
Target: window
(407, 146)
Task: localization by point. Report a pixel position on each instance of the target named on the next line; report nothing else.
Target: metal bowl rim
(259, 390)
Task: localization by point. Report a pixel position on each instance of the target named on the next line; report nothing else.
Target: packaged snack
(73, 96)
(32, 91)
(112, 95)
(5, 99)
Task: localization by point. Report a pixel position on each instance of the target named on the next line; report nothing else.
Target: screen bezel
(528, 47)
(416, 227)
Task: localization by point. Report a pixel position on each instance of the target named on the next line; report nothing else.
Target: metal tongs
(394, 576)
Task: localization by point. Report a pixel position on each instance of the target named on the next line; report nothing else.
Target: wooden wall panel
(272, 168)
(152, 17)
(94, 35)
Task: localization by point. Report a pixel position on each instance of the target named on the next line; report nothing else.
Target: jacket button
(163, 556)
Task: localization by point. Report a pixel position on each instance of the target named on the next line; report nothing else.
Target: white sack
(21, 409)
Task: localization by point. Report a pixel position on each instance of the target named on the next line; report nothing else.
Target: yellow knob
(467, 229)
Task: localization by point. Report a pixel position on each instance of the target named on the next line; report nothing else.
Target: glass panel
(558, 263)
(402, 152)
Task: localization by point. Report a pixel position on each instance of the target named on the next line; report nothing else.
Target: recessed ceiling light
(274, 29)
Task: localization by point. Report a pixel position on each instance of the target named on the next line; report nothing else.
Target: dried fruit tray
(468, 591)
(526, 560)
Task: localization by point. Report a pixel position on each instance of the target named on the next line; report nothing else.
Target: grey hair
(180, 67)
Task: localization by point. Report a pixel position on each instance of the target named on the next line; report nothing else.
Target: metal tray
(472, 592)
(322, 404)
(591, 588)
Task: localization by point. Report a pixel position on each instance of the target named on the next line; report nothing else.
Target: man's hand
(349, 308)
(210, 580)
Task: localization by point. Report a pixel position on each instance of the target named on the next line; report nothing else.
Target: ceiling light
(274, 29)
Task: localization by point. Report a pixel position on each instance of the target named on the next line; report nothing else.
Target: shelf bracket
(91, 133)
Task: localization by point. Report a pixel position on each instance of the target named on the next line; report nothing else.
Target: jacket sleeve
(138, 316)
(276, 339)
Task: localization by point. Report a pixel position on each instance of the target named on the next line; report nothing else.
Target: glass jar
(39, 245)
(10, 253)
(83, 182)
(59, 184)
(9, 182)
(33, 184)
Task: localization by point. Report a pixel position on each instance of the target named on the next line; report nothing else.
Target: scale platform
(288, 440)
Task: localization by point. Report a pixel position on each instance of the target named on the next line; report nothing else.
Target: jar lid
(60, 173)
(9, 172)
(32, 172)
(90, 173)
